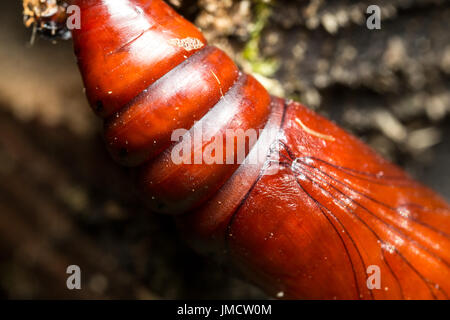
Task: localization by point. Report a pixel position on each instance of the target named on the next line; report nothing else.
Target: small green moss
(295, 97)
(251, 53)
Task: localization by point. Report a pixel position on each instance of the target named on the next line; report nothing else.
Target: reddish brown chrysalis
(312, 220)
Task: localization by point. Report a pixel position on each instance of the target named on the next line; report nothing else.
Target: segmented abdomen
(307, 220)
(149, 72)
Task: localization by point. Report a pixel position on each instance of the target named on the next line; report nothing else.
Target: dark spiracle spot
(99, 106)
(123, 152)
(160, 205)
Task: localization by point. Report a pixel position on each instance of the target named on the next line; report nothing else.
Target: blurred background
(63, 201)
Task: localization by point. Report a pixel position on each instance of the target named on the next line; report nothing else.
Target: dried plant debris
(47, 18)
(335, 14)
